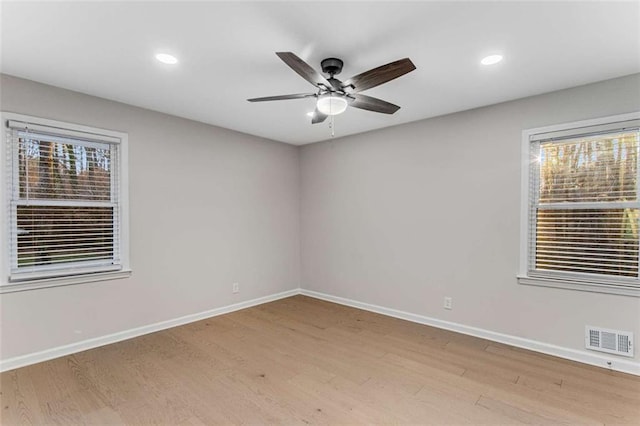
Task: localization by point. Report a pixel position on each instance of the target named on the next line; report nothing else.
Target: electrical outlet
(235, 288)
(448, 303)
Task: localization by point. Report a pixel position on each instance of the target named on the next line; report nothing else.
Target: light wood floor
(301, 360)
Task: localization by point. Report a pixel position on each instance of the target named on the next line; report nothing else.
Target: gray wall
(405, 216)
(208, 207)
(399, 217)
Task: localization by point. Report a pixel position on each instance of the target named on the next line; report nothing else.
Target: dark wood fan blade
(377, 76)
(283, 97)
(373, 104)
(303, 69)
(318, 117)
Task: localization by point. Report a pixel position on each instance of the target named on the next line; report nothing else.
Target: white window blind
(64, 203)
(584, 205)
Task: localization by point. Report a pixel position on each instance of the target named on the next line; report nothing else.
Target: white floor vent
(610, 341)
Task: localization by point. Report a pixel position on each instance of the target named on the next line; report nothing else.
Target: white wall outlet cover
(448, 303)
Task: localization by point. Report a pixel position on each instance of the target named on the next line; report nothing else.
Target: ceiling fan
(333, 96)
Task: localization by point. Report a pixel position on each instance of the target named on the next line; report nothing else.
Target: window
(66, 196)
(581, 206)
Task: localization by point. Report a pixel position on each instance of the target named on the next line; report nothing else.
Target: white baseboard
(608, 362)
(33, 358)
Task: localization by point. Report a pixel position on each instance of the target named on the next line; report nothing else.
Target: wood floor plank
(304, 361)
(515, 413)
(604, 384)
(19, 400)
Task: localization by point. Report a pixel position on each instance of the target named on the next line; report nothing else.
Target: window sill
(592, 287)
(63, 281)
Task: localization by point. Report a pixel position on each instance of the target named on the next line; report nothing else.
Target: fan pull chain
(332, 126)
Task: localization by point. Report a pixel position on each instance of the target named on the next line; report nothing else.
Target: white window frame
(609, 285)
(68, 129)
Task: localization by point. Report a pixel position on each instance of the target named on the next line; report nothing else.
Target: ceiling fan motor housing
(331, 66)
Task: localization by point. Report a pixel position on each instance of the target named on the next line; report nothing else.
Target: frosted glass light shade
(331, 104)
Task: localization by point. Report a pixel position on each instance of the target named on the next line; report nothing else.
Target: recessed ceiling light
(310, 114)
(491, 59)
(165, 58)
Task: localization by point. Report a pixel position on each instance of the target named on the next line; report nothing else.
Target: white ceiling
(226, 53)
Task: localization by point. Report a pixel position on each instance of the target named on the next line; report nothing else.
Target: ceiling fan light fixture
(331, 104)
